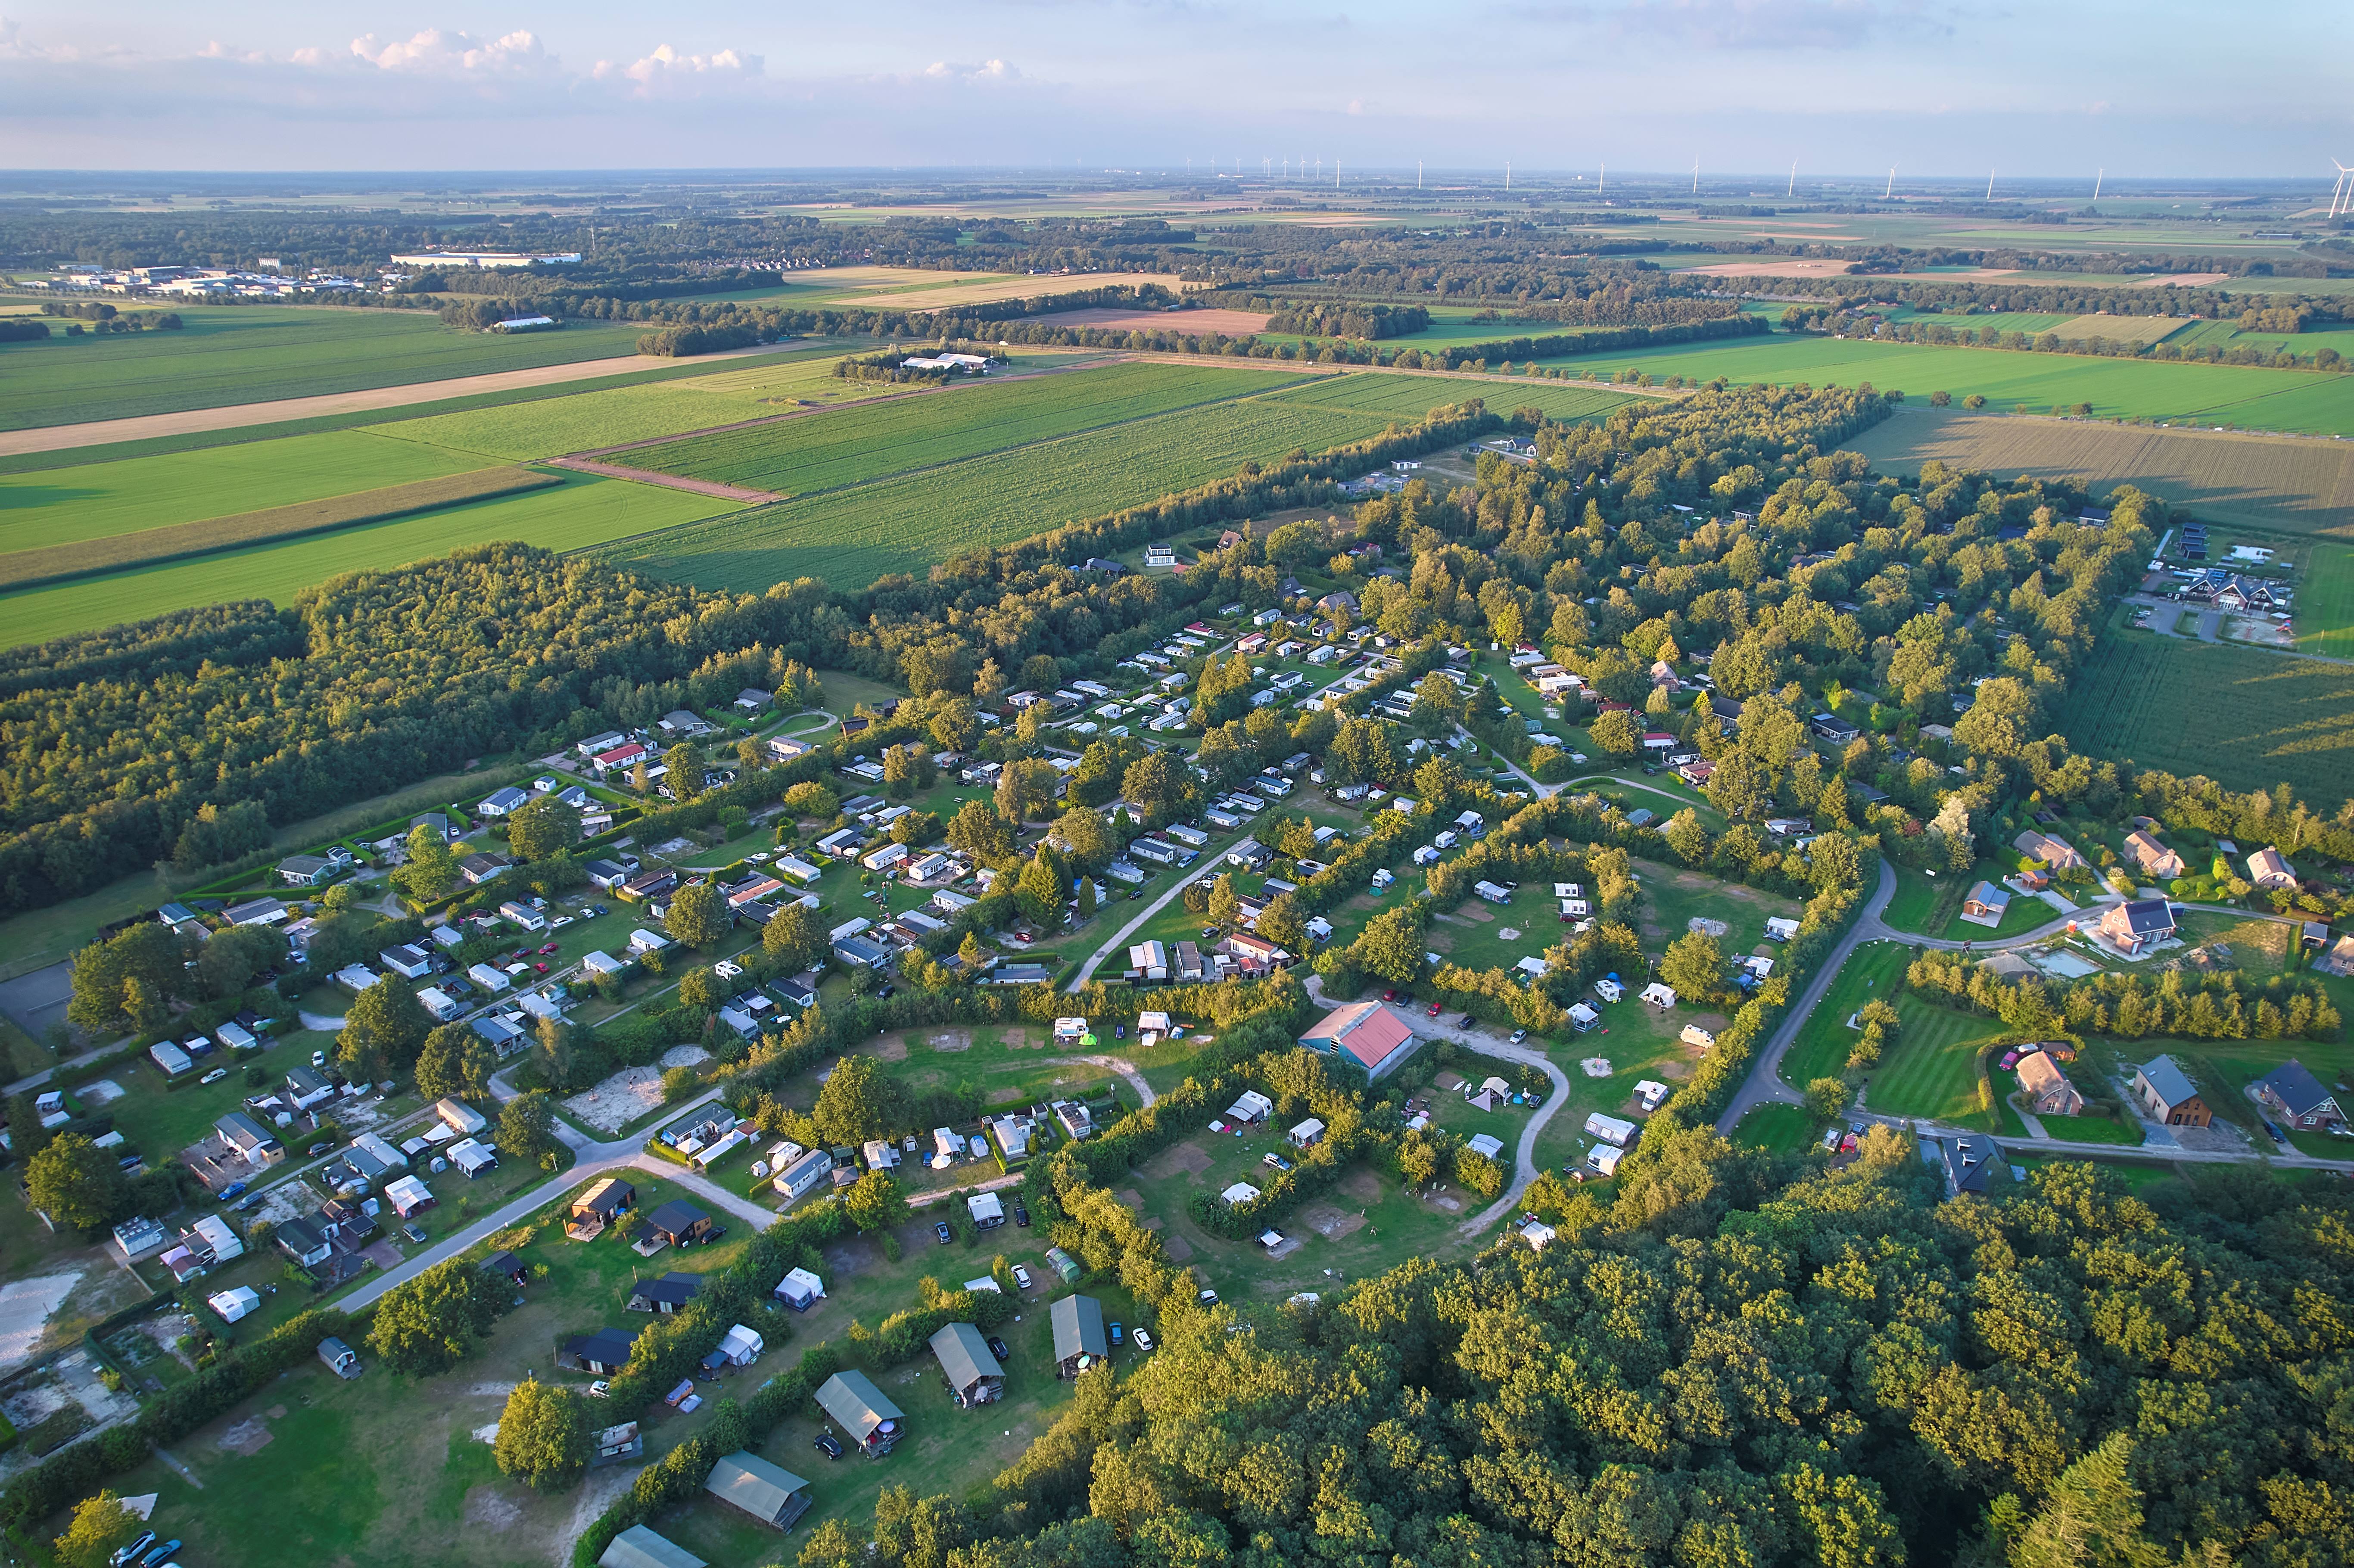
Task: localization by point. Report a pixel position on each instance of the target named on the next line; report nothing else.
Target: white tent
(1659, 995)
(799, 1289)
(1240, 1192)
(742, 1346)
(1611, 1129)
(235, 1304)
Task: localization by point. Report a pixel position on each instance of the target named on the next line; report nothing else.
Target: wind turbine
(1508, 173)
(2338, 196)
(1891, 191)
(1794, 181)
(2100, 175)
(1417, 174)
(1990, 196)
(1695, 176)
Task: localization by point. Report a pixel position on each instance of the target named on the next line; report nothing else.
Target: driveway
(1764, 1085)
(1212, 860)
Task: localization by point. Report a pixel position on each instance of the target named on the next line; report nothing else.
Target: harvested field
(2122, 329)
(1197, 324)
(2274, 481)
(2183, 280)
(148, 547)
(1775, 267)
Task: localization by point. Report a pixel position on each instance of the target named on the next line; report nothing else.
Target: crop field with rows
(852, 536)
(1409, 397)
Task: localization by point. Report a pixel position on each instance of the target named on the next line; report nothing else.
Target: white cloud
(13, 47)
(456, 53)
(988, 71)
(666, 66)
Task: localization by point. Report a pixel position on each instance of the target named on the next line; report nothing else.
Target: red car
(1389, 996)
(1434, 1006)
(541, 967)
(548, 949)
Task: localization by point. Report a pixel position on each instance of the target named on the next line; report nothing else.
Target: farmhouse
(2152, 859)
(870, 1420)
(2047, 1089)
(1367, 1033)
(1079, 1343)
(973, 1374)
(2296, 1096)
(2166, 1094)
(2057, 853)
(770, 1493)
(2133, 927)
(2266, 868)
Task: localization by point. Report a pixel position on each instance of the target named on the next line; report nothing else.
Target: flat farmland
(551, 427)
(1411, 396)
(794, 456)
(2247, 719)
(2116, 388)
(904, 524)
(97, 501)
(230, 354)
(581, 512)
(922, 288)
(2339, 335)
(2275, 482)
(2124, 329)
(2325, 603)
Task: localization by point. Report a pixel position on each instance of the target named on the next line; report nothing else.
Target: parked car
(1518, 1035)
(599, 1389)
(1021, 1213)
(997, 1347)
(1208, 1298)
(940, 1229)
(1464, 1022)
(215, 1077)
(414, 1232)
(234, 1190)
(548, 949)
(159, 1554)
(1434, 1010)
(316, 1149)
(1020, 1277)
(1144, 1340)
(1389, 996)
(318, 1058)
(125, 1553)
(1119, 1031)
(828, 1445)
(1118, 1334)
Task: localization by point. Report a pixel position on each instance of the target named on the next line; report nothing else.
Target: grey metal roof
(2171, 1083)
(760, 1488)
(852, 1398)
(1078, 1328)
(964, 1355)
(638, 1547)
(2296, 1089)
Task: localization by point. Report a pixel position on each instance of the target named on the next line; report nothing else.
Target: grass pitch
(229, 355)
(1409, 397)
(2325, 602)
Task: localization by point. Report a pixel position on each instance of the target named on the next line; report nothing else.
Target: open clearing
(849, 537)
(226, 354)
(921, 289)
(795, 456)
(1775, 267)
(1409, 396)
(2325, 602)
(1198, 323)
(2122, 329)
(2249, 720)
(584, 510)
(2278, 481)
(2244, 396)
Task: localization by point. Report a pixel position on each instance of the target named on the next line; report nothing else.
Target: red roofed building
(621, 757)
(1365, 1033)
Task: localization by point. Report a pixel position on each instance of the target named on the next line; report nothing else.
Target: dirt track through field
(667, 480)
(237, 416)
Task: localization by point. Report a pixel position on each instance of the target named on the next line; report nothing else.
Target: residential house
(252, 1142)
(679, 1223)
(2152, 858)
(2266, 868)
(600, 1206)
(307, 1087)
(305, 1242)
(2296, 1096)
(665, 1294)
(502, 802)
(1307, 1135)
(2055, 853)
(604, 1352)
(2135, 926)
(770, 1493)
(477, 869)
(2047, 1089)
(870, 1421)
(1971, 1164)
(408, 962)
(2165, 1094)
(975, 1376)
(680, 725)
(1079, 1342)
(1369, 1033)
(1986, 904)
(310, 870)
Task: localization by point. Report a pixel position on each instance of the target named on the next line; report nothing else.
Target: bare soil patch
(1177, 1158)
(1439, 941)
(853, 1255)
(1452, 1204)
(2183, 279)
(489, 1508)
(1285, 1248)
(247, 1438)
(1176, 1248)
(1194, 324)
(1133, 1199)
(887, 1048)
(1153, 1222)
(1363, 1183)
(1362, 900)
(1330, 1223)
(620, 1100)
(953, 1040)
(1775, 267)
(1478, 912)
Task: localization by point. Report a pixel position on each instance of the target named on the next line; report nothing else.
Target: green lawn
(1931, 905)
(67, 505)
(2093, 1130)
(1931, 1071)
(2324, 602)
(1676, 897)
(229, 355)
(1824, 1041)
(2212, 393)
(849, 537)
(1791, 1129)
(585, 510)
(1412, 396)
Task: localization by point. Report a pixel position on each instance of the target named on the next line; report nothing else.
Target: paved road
(1764, 1085)
(1212, 860)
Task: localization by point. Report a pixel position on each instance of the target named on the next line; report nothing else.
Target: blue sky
(1842, 86)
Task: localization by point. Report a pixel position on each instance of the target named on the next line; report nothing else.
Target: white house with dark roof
(2293, 1094)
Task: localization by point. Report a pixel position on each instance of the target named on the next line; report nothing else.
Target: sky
(2143, 88)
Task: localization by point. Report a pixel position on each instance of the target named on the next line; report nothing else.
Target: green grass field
(2205, 394)
(97, 501)
(2339, 335)
(583, 511)
(1931, 1070)
(2325, 602)
(1409, 397)
(2246, 718)
(794, 456)
(1791, 1129)
(229, 355)
(1820, 1050)
(852, 536)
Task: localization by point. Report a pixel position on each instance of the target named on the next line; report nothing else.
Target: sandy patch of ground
(1594, 1066)
(1476, 912)
(489, 1508)
(953, 1040)
(1133, 1199)
(684, 1056)
(1330, 1223)
(26, 1306)
(1153, 1222)
(1438, 941)
(598, 1493)
(1196, 323)
(276, 1413)
(620, 1100)
(491, 1390)
(1363, 1183)
(1451, 1204)
(1774, 267)
(487, 1433)
(1177, 1249)
(246, 1438)
(1708, 927)
(2183, 279)
(1509, 934)
(105, 1091)
(889, 1048)
(1283, 1248)
(1362, 900)
(1179, 1156)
